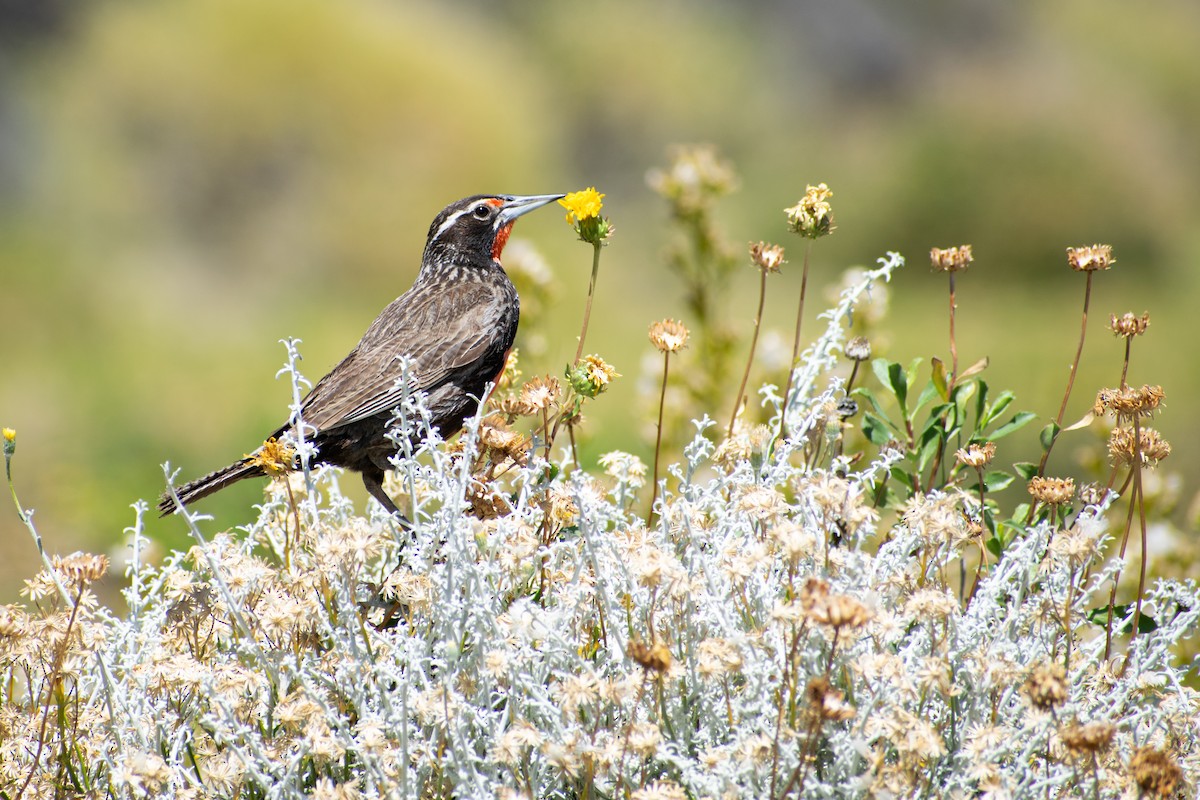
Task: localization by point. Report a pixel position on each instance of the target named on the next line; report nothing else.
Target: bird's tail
(212, 482)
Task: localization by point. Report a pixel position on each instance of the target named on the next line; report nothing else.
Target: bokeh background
(184, 183)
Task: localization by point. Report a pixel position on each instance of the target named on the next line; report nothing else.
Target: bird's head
(476, 228)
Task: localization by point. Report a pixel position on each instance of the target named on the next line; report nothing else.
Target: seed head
(827, 702)
(1156, 773)
(651, 657)
(1090, 739)
(812, 217)
(1128, 326)
(539, 394)
(1052, 491)
(1127, 402)
(767, 257)
(858, 348)
(669, 336)
(951, 259)
(82, 568)
(976, 456)
(1046, 688)
(1089, 259)
(696, 176)
(1149, 449)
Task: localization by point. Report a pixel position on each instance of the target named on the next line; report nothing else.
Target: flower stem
(587, 311)
(662, 401)
(1062, 410)
(953, 344)
(737, 400)
(787, 391)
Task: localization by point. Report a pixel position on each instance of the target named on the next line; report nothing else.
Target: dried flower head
(812, 217)
(826, 702)
(767, 257)
(858, 349)
(668, 336)
(951, 259)
(539, 394)
(495, 435)
(696, 175)
(1046, 687)
(661, 790)
(11, 624)
(583, 214)
(1089, 259)
(1149, 449)
(718, 657)
(81, 569)
(276, 457)
(1155, 772)
(1128, 402)
(1087, 740)
(1052, 491)
(976, 456)
(1127, 325)
(651, 657)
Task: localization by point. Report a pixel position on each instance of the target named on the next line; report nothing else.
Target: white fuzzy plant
(565, 650)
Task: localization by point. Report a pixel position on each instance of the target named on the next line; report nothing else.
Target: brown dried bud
(1090, 739)
(1052, 491)
(651, 657)
(1128, 326)
(951, 259)
(1156, 773)
(1046, 688)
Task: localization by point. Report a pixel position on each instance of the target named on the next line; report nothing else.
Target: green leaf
(939, 378)
(863, 391)
(928, 393)
(1026, 469)
(910, 374)
(930, 441)
(891, 375)
(877, 430)
(997, 480)
(981, 406)
(1002, 402)
(1019, 420)
(1048, 435)
(1100, 614)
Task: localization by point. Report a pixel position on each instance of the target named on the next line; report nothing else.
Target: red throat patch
(501, 240)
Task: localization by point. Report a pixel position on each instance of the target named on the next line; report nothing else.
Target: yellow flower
(582, 205)
(591, 375)
(10, 442)
(583, 214)
(275, 457)
(812, 217)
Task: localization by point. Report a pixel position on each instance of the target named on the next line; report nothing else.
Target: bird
(456, 325)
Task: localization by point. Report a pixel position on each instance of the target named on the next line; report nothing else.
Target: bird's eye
(482, 211)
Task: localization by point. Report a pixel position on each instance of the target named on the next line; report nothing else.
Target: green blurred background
(184, 183)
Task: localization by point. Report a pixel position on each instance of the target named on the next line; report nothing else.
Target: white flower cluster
(769, 636)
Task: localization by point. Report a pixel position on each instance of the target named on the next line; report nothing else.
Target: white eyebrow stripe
(445, 226)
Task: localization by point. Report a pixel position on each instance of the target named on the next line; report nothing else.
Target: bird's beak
(517, 206)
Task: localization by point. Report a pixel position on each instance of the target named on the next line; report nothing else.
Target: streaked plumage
(456, 325)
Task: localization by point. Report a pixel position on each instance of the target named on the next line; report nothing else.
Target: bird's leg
(373, 480)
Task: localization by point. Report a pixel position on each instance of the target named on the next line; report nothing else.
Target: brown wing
(441, 328)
